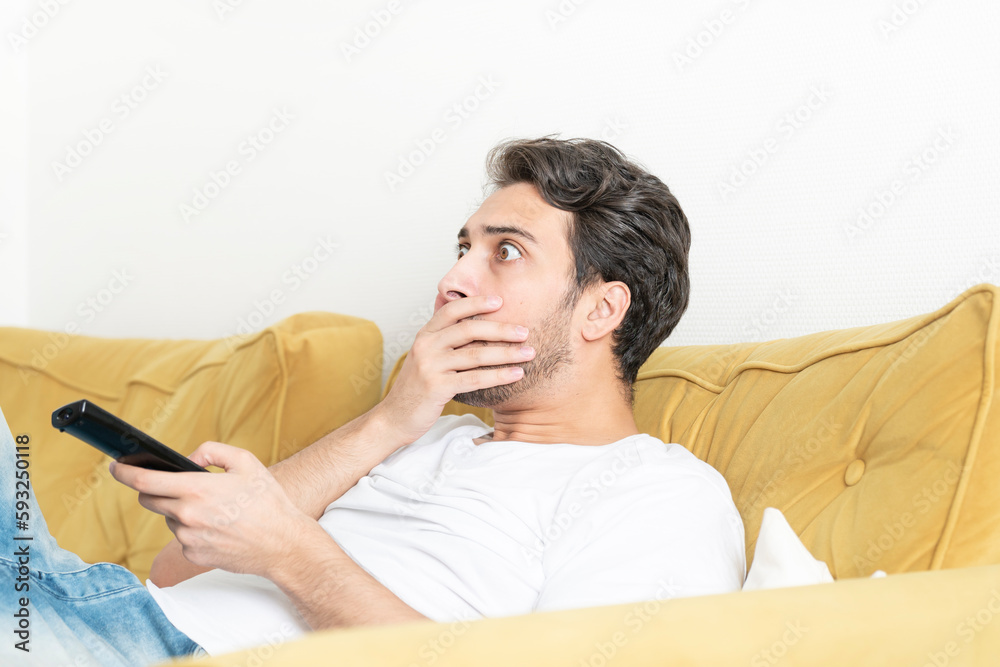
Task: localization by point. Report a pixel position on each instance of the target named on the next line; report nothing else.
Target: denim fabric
(78, 615)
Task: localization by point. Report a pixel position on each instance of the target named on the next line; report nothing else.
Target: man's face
(516, 246)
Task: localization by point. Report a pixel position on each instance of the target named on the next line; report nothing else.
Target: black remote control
(119, 439)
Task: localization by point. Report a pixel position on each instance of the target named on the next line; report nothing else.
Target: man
(569, 275)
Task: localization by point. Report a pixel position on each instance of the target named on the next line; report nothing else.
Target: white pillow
(781, 559)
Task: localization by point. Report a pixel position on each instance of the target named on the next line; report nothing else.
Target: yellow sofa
(272, 392)
(880, 444)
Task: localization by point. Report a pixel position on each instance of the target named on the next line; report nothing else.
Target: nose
(461, 281)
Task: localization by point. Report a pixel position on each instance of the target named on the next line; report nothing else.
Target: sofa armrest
(941, 617)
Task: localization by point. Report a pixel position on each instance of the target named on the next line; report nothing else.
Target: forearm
(330, 590)
(319, 474)
(171, 567)
(312, 479)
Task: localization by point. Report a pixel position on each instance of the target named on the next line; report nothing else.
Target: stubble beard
(552, 352)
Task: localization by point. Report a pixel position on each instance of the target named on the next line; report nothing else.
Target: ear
(610, 302)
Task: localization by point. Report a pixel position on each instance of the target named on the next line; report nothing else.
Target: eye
(508, 252)
(461, 250)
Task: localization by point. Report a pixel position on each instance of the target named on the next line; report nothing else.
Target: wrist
(384, 429)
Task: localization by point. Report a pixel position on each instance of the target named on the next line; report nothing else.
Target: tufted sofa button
(854, 472)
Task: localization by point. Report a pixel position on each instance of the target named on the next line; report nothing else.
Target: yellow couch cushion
(272, 392)
(880, 444)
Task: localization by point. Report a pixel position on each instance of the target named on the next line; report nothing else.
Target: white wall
(14, 261)
(903, 94)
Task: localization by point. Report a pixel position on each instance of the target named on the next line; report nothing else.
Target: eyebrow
(501, 230)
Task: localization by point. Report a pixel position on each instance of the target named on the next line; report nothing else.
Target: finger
(186, 535)
(478, 356)
(188, 539)
(159, 504)
(459, 309)
(489, 331)
(487, 377)
(227, 457)
(153, 482)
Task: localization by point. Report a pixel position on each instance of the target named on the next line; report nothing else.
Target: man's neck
(590, 418)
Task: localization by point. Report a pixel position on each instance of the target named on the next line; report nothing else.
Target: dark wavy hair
(625, 225)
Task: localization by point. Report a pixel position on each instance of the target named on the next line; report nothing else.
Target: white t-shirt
(460, 531)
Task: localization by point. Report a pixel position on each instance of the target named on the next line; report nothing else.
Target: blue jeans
(58, 610)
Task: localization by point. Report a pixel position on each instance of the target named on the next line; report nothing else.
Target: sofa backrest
(881, 444)
(272, 392)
